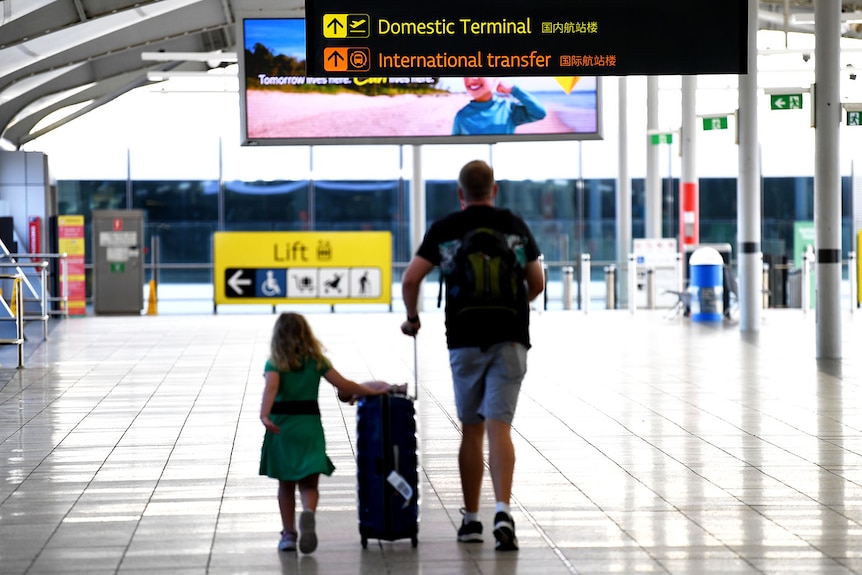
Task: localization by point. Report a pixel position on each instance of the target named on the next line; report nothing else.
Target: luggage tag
(397, 480)
(400, 484)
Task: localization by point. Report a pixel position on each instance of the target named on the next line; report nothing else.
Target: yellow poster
(70, 240)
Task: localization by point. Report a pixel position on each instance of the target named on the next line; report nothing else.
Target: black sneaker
(504, 532)
(307, 535)
(470, 532)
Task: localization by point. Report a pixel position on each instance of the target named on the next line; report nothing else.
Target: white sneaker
(287, 542)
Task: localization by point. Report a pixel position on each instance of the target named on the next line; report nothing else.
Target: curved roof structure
(63, 58)
(75, 55)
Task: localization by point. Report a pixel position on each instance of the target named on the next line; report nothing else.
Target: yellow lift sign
(302, 267)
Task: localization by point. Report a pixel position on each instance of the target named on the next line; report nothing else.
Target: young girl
(294, 448)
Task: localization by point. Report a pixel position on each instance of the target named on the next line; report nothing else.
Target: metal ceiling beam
(93, 72)
(60, 15)
(198, 18)
(98, 94)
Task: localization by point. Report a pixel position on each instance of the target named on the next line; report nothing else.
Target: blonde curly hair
(293, 343)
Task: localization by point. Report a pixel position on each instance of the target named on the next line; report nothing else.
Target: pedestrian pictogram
(854, 118)
(365, 283)
(345, 59)
(346, 26)
(786, 101)
(717, 123)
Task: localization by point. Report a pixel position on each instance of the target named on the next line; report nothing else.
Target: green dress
(299, 450)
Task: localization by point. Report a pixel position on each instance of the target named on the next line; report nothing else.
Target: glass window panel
(357, 205)
(81, 197)
(182, 214)
(263, 206)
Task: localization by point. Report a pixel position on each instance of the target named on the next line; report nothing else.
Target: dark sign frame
(536, 38)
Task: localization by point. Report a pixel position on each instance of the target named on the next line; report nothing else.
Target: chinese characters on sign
(542, 37)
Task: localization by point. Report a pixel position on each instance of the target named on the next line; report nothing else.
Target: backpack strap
(440, 290)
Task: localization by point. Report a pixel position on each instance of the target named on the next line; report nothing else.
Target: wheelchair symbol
(270, 285)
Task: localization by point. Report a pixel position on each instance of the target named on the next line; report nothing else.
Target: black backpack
(484, 274)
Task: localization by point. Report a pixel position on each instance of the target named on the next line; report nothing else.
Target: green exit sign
(657, 139)
(786, 101)
(717, 123)
(854, 118)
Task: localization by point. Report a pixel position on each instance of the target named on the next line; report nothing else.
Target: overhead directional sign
(854, 118)
(537, 38)
(302, 267)
(785, 101)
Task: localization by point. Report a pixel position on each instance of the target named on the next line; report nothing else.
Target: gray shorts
(487, 383)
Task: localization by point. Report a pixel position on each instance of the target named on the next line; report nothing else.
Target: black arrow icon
(334, 24)
(335, 58)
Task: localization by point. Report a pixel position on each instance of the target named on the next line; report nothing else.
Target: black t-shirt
(455, 226)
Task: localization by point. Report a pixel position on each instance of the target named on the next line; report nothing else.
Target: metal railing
(15, 313)
(42, 295)
(570, 292)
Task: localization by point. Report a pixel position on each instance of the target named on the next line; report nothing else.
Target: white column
(652, 208)
(417, 210)
(748, 190)
(827, 179)
(624, 193)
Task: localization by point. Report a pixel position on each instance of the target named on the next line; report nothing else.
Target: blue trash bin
(706, 286)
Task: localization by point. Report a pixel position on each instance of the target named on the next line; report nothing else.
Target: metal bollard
(611, 287)
(650, 288)
(765, 286)
(545, 276)
(584, 287)
(633, 282)
(807, 264)
(568, 276)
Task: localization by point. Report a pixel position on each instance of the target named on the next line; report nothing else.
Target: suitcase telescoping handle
(406, 392)
(415, 368)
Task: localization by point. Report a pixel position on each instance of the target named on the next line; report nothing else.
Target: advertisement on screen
(282, 106)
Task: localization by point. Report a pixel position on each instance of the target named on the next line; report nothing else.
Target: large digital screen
(280, 105)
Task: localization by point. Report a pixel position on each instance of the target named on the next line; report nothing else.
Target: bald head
(477, 181)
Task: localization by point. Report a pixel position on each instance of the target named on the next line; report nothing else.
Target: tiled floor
(130, 445)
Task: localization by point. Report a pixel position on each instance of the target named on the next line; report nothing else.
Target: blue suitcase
(387, 468)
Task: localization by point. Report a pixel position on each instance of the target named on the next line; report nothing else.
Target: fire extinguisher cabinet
(118, 264)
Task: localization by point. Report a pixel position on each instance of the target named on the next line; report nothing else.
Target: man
(488, 357)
